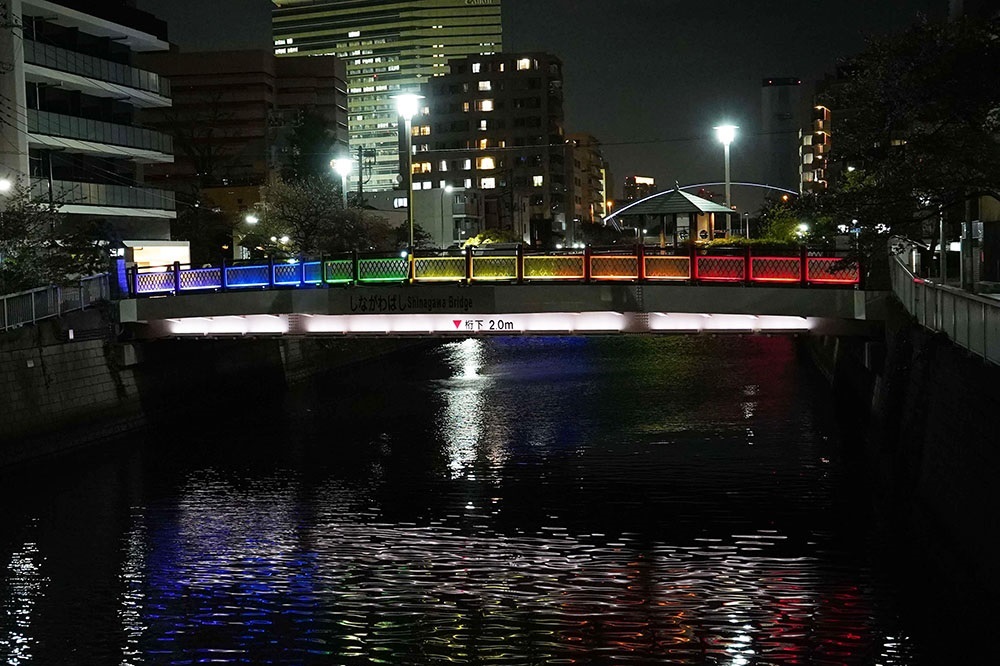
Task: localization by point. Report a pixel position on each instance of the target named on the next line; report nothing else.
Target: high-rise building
(232, 114)
(586, 185)
(782, 113)
(814, 151)
(495, 123)
(69, 92)
(638, 187)
(390, 47)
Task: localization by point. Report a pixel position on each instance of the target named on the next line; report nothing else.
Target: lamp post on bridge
(343, 166)
(726, 134)
(407, 105)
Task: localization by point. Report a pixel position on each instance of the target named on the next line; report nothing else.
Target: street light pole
(407, 104)
(343, 166)
(726, 134)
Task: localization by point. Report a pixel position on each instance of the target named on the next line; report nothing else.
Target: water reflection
(520, 501)
(25, 583)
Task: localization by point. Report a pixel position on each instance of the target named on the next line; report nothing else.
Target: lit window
(485, 85)
(426, 185)
(465, 107)
(488, 183)
(524, 63)
(476, 67)
(502, 143)
(482, 125)
(354, 33)
(442, 184)
(484, 144)
(484, 105)
(443, 165)
(467, 165)
(485, 163)
(468, 183)
(399, 202)
(421, 130)
(537, 180)
(421, 167)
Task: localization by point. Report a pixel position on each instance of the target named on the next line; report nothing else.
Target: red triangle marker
(457, 322)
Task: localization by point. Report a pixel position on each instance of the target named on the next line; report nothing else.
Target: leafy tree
(38, 247)
(310, 214)
(206, 228)
(421, 238)
(918, 122)
(310, 146)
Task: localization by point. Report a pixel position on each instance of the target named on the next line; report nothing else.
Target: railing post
(587, 253)
(747, 265)
(302, 272)
(640, 256)
(519, 260)
(322, 270)
(270, 271)
(355, 267)
(411, 267)
(134, 281)
(222, 276)
(177, 277)
(804, 265)
(468, 264)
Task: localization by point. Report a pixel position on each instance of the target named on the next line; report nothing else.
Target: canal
(641, 500)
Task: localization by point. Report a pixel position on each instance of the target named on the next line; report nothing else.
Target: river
(641, 500)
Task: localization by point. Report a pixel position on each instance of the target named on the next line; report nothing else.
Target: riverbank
(69, 383)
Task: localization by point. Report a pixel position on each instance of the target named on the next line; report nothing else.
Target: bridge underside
(460, 310)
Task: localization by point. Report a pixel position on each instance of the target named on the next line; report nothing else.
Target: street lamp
(445, 191)
(407, 105)
(5, 185)
(343, 166)
(726, 134)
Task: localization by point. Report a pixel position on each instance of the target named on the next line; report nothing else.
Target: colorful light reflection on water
(520, 501)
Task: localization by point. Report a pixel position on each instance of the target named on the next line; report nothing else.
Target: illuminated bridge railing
(733, 266)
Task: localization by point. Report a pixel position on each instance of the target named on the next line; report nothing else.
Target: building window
(537, 181)
(476, 67)
(524, 63)
(467, 165)
(482, 125)
(485, 163)
(488, 183)
(425, 185)
(465, 107)
(485, 86)
(443, 165)
(421, 130)
(484, 105)
(399, 202)
(468, 183)
(483, 144)
(421, 167)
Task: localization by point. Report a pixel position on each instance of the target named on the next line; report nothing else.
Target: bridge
(501, 291)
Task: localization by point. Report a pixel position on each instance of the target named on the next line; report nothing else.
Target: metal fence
(971, 321)
(27, 307)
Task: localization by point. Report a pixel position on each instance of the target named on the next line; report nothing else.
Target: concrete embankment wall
(932, 416)
(58, 393)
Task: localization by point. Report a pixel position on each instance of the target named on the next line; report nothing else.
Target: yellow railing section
(553, 268)
(668, 268)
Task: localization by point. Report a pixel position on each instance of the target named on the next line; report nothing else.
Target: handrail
(33, 305)
(504, 265)
(969, 320)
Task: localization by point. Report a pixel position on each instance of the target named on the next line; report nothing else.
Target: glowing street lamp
(343, 166)
(407, 105)
(726, 134)
(5, 185)
(251, 219)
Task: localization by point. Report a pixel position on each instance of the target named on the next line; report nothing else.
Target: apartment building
(69, 95)
(389, 47)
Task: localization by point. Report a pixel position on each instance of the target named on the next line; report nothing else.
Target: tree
(310, 215)
(493, 236)
(421, 238)
(916, 129)
(309, 149)
(39, 247)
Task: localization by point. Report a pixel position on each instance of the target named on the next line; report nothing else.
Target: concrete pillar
(13, 110)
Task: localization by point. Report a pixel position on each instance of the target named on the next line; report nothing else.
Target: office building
(69, 93)
(495, 123)
(637, 187)
(782, 114)
(232, 115)
(586, 184)
(389, 47)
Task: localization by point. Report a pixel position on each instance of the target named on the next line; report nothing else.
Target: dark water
(677, 500)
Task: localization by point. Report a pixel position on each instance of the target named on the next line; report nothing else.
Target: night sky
(648, 78)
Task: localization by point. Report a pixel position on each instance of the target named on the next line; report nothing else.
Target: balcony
(63, 60)
(144, 142)
(75, 197)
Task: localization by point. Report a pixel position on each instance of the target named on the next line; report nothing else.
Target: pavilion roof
(671, 201)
